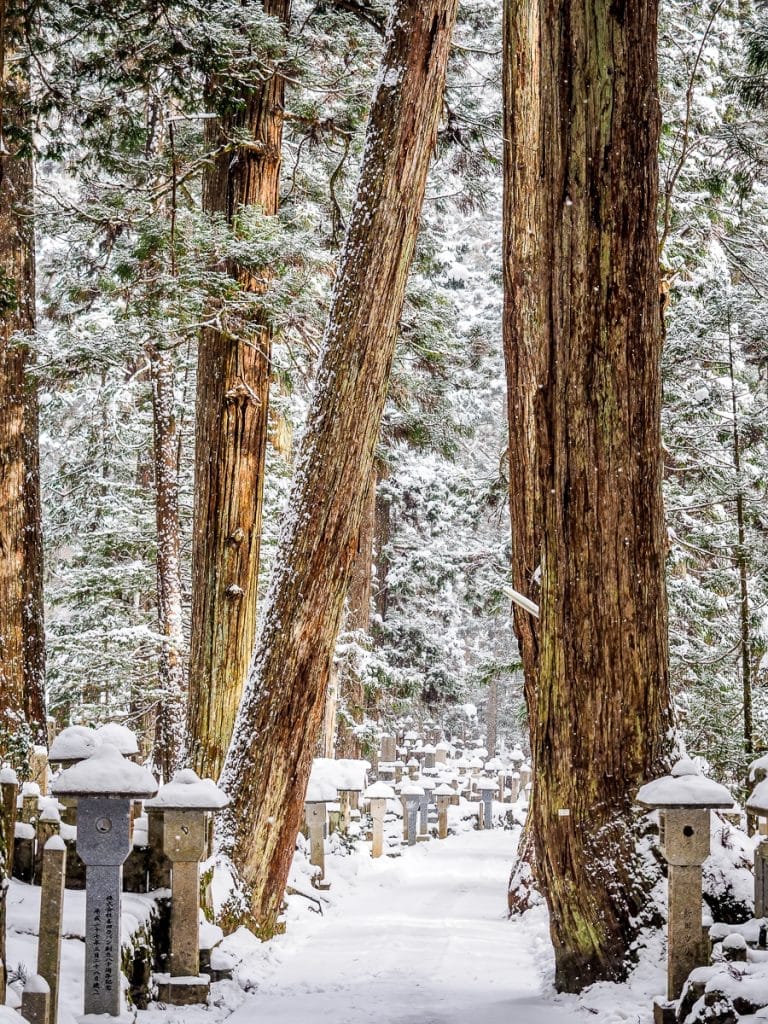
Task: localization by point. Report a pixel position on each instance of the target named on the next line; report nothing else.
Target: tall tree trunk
(22, 639)
(269, 762)
(745, 631)
(583, 342)
(170, 714)
(358, 619)
(232, 427)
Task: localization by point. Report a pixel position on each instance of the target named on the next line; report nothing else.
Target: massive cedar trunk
(358, 619)
(232, 426)
(269, 762)
(583, 341)
(22, 644)
(170, 713)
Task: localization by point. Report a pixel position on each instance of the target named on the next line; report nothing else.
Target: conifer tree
(268, 764)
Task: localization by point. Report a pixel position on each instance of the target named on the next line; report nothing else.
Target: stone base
(182, 991)
(321, 884)
(664, 1012)
(423, 839)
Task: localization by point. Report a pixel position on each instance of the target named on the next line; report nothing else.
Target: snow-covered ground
(418, 939)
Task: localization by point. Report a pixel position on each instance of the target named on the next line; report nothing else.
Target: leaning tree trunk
(583, 342)
(22, 643)
(232, 426)
(269, 762)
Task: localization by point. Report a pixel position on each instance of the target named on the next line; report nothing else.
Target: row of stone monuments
(412, 777)
(104, 790)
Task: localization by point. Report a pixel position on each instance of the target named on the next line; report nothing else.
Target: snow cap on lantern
(379, 791)
(685, 787)
(73, 744)
(188, 792)
(105, 773)
(119, 736)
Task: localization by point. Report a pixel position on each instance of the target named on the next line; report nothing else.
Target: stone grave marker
(377, 795)
(758, 804)
(51, 914)
(684, 800)
(35, 1000)
(186, 802)
(486, 788)
(104, 786)
(443, 797)
(411, 796)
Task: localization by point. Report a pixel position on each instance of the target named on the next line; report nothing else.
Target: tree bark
(271, 755)
(22, 638)
(358, 619)
(232, 427)
(170, 715)
(583, 337)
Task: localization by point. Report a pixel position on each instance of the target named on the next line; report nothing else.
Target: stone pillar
(388, 748)
(9, 790)
(378, 810)
(35, 1000)
(424, 816)
(184, 841)
(345, 807)
(411, 797)
(761, 879)
(51, 913)
(486, 788)
(48, 825)
(30, 802)
(314, 811)
(685, 844)
(158, 865)
(38, 768)
(103, 841)
(443, 800)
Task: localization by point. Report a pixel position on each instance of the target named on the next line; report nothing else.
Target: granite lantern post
(411, 795)
(51, 918)
(443, 797)
(186, 802)
(758, 804)
(378, 794)
(104, 786)
(319, 794)
(486, 788)
(684, 800)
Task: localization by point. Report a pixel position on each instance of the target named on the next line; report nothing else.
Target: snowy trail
(420, 940)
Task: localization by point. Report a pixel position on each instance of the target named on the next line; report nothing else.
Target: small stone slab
(187, 991)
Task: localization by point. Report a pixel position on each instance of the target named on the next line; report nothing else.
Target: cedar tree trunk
(170, 714)
(232, 426)
(271, 755)
(583, 341)
(22, 639)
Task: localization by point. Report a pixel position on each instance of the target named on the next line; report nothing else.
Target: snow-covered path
(420, 940)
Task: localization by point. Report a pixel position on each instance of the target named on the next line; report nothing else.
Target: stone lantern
(443, 797)
(441, 752)
(684, 800)
(758, 804)
(486, 788)
(186, 802)
(72, 745)
(104, 785)
(430, 754)
(411, 795)
(319, 795)
(377, 795)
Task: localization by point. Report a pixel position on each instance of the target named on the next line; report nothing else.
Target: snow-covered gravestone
(51, 915)
(104, 786)
(758, 804)
(486, 788)
(443, 797)
(388, 748)
(377, 795)
(185, 802)
(411, 795)
(35, 1000)
(684, 800)
(430, 754)
(319, 794)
